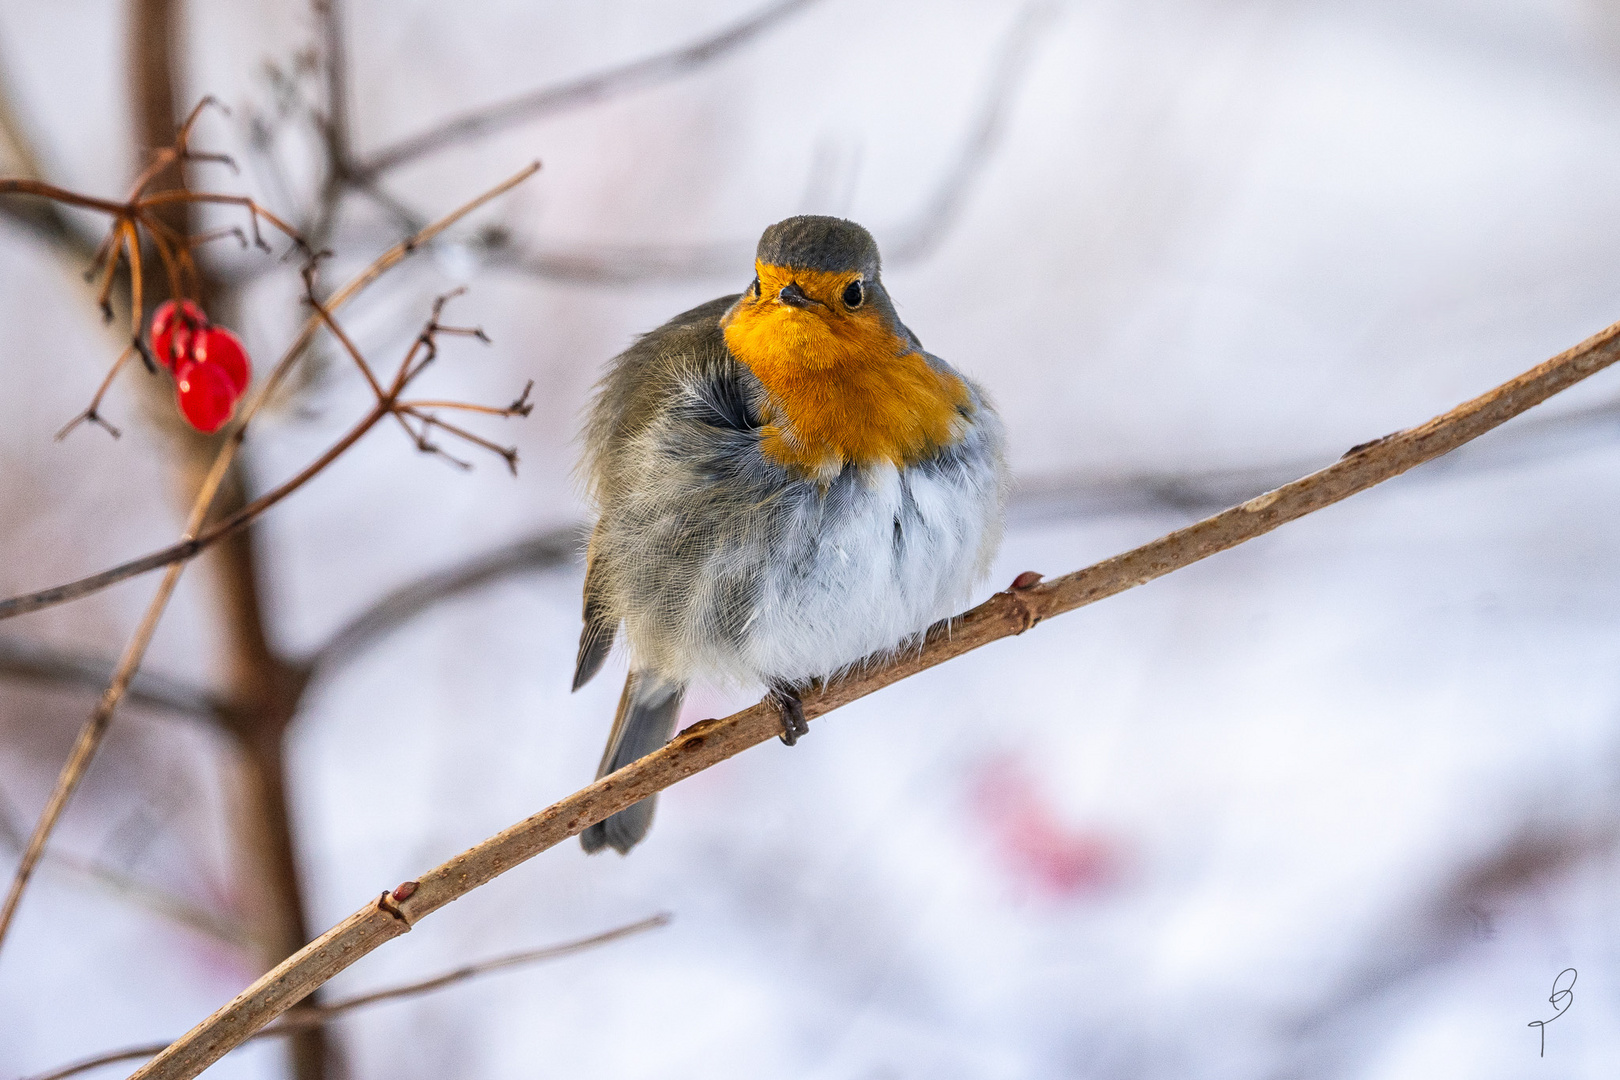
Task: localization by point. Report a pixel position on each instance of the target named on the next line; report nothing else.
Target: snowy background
(1340, 803)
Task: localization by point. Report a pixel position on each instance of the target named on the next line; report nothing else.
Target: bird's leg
(785, 697)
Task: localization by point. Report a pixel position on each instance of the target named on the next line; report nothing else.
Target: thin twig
(335, 124)
(711, 741)
(61, 195)
(95, 728)
(589, 90)
(92, 413)
(909, 240)
(309, 1016)
(335, 328)
(429, 420)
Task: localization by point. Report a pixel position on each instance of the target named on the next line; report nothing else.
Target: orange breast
(844, 388)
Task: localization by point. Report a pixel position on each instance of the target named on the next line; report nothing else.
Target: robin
(786, 483)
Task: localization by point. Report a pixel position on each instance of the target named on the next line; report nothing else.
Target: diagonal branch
(572, 95)
(311, 1016)
(711, 741)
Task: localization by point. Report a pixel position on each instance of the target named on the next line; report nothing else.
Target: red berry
(173, 327)
(221, 348)
(205, 393)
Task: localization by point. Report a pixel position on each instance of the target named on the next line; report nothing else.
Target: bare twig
(95, 728)
(711, 741)
(335, 122)
(580, 92)
(85, 746)
(309, 1016)
(909, 240)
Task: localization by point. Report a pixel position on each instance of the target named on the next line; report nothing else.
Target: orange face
(845, 386)
(815, 326)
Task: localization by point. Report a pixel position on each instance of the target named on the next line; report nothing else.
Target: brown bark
(262, 690)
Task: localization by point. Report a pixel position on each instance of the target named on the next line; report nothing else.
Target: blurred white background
(1340, 803)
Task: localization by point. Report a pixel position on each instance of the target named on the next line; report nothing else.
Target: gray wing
(596, 637)
(685, 495)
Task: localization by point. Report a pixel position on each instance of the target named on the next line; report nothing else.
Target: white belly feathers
(863, 571)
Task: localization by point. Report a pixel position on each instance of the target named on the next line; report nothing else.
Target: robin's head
(816, 300)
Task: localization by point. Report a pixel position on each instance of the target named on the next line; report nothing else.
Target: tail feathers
(646, 719)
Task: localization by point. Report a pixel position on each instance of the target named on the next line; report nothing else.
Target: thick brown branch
(311, 1016)
(586, 91)
(707, 743)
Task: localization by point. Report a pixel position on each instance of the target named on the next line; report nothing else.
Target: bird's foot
(786, 700)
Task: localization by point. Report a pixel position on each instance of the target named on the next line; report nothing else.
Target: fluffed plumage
(785, 483)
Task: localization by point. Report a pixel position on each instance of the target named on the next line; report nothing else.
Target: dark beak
(793, 295)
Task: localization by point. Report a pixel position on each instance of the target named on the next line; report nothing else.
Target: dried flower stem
(191, 545)
(95, 728)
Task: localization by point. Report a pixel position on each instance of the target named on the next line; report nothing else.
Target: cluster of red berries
(210, 366)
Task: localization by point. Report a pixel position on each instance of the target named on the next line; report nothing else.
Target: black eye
(853, 295)
(754, 288)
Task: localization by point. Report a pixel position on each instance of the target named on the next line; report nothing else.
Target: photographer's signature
(1563, 996)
